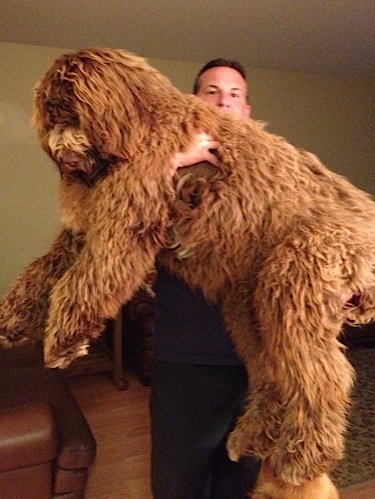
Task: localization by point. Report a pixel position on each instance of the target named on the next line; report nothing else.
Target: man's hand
(201, 148)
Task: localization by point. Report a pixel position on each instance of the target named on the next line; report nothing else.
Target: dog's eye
(61, 114)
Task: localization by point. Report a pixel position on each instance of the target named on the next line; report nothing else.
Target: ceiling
(321, 36)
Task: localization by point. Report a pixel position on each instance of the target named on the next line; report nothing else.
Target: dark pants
(193, 409)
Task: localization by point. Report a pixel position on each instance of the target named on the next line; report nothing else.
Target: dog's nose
(70, 158)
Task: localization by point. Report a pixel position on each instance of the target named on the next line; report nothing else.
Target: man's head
(222, 82)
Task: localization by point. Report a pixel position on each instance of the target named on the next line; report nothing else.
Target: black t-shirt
(187, 328)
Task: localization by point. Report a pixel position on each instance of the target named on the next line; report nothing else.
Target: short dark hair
(218, 63)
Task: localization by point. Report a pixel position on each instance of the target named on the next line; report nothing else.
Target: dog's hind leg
(301, 382)
(23, 310)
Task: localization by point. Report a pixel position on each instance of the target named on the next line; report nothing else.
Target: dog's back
(263, 191)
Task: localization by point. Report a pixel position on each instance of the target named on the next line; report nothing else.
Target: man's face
(225, 88)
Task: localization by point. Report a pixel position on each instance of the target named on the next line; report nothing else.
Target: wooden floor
(120, 422)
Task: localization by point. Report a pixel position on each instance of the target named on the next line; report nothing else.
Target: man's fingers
(212, 158)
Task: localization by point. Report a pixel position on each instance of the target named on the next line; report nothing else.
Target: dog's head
(96, 107)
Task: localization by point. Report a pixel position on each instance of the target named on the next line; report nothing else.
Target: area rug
(359, 463)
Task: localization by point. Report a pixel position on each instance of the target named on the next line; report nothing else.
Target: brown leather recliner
(46, 444)
(138, 322)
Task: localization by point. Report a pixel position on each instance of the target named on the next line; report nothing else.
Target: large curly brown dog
(272, 234)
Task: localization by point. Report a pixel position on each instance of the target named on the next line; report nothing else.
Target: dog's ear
(132, 99)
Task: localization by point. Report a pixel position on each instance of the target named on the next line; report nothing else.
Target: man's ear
(247, 111)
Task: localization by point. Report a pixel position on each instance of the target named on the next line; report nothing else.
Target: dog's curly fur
(271, 234)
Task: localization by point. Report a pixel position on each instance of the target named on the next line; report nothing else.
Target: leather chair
(138, 322)
(46, 444)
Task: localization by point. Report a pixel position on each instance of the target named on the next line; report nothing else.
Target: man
(198, 384)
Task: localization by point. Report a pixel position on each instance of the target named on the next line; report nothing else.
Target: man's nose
(224, 101)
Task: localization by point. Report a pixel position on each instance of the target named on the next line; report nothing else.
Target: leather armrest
(27, 436)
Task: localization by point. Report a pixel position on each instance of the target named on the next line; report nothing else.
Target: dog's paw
(11, 339)
(271, 486)
(62, 357)
(237, 445)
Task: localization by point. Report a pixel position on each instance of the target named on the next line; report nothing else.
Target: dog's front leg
(23, 310)
(107, 273)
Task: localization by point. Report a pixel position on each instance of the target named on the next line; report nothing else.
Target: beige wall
(333, 117)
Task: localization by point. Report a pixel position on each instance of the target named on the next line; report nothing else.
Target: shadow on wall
(15, 126)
